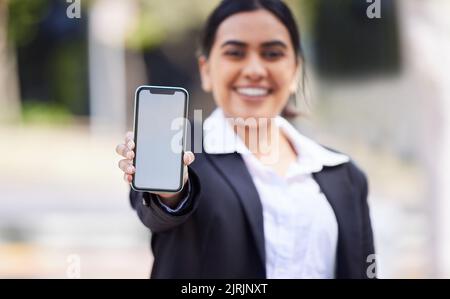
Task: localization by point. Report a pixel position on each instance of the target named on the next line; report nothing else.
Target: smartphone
(160, 120)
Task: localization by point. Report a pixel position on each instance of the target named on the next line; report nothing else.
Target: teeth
(253, 91)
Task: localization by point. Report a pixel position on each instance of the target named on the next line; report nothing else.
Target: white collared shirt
(300, 227)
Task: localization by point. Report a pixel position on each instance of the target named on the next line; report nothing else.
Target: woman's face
(252, 68)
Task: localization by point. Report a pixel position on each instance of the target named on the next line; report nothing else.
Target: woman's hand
(126, 150)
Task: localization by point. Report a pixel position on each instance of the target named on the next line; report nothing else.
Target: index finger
(129, 140)
(129, 136)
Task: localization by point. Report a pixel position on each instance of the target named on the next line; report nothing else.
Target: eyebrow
(263, 45)
(274, 43)
(233, 43)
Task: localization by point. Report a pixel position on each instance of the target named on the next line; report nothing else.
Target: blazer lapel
(335, 184)
(234, 170)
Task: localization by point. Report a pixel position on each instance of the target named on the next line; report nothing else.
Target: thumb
(188, 158)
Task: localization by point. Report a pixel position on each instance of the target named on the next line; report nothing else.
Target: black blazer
(219, 232)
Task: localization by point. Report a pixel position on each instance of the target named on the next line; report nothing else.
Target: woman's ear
(296, 80)
(205, 76)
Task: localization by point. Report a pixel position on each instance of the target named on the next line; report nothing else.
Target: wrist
(173, 200)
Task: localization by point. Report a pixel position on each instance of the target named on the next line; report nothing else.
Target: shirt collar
(219, 138)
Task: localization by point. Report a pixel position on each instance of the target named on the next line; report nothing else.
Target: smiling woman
(301, 214)
(251, 72)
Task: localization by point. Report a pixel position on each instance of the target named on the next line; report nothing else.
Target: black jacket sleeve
(155, 217)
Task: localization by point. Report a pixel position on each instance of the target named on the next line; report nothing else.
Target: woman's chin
(249, 110)
(250, 114)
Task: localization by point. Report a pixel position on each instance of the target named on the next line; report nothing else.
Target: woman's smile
(252, 93)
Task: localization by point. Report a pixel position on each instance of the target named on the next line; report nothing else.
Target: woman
(280, 207)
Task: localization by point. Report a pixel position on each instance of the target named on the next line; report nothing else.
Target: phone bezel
(136, 112)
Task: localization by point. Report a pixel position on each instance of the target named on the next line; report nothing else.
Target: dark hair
(278, 8)
(228, 8)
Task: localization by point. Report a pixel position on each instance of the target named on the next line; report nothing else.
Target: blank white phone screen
(160, 126)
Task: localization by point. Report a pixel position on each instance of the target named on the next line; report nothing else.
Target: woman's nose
(254, 68)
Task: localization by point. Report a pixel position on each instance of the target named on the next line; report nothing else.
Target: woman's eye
(272, 54)
(235, 53)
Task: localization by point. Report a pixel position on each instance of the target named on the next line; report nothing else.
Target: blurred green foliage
(23, 15)
(159, 21)
(68, 71)
(38, 112)
(64, 74)
(306, 12)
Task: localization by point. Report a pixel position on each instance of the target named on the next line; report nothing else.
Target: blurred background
(377, 88)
